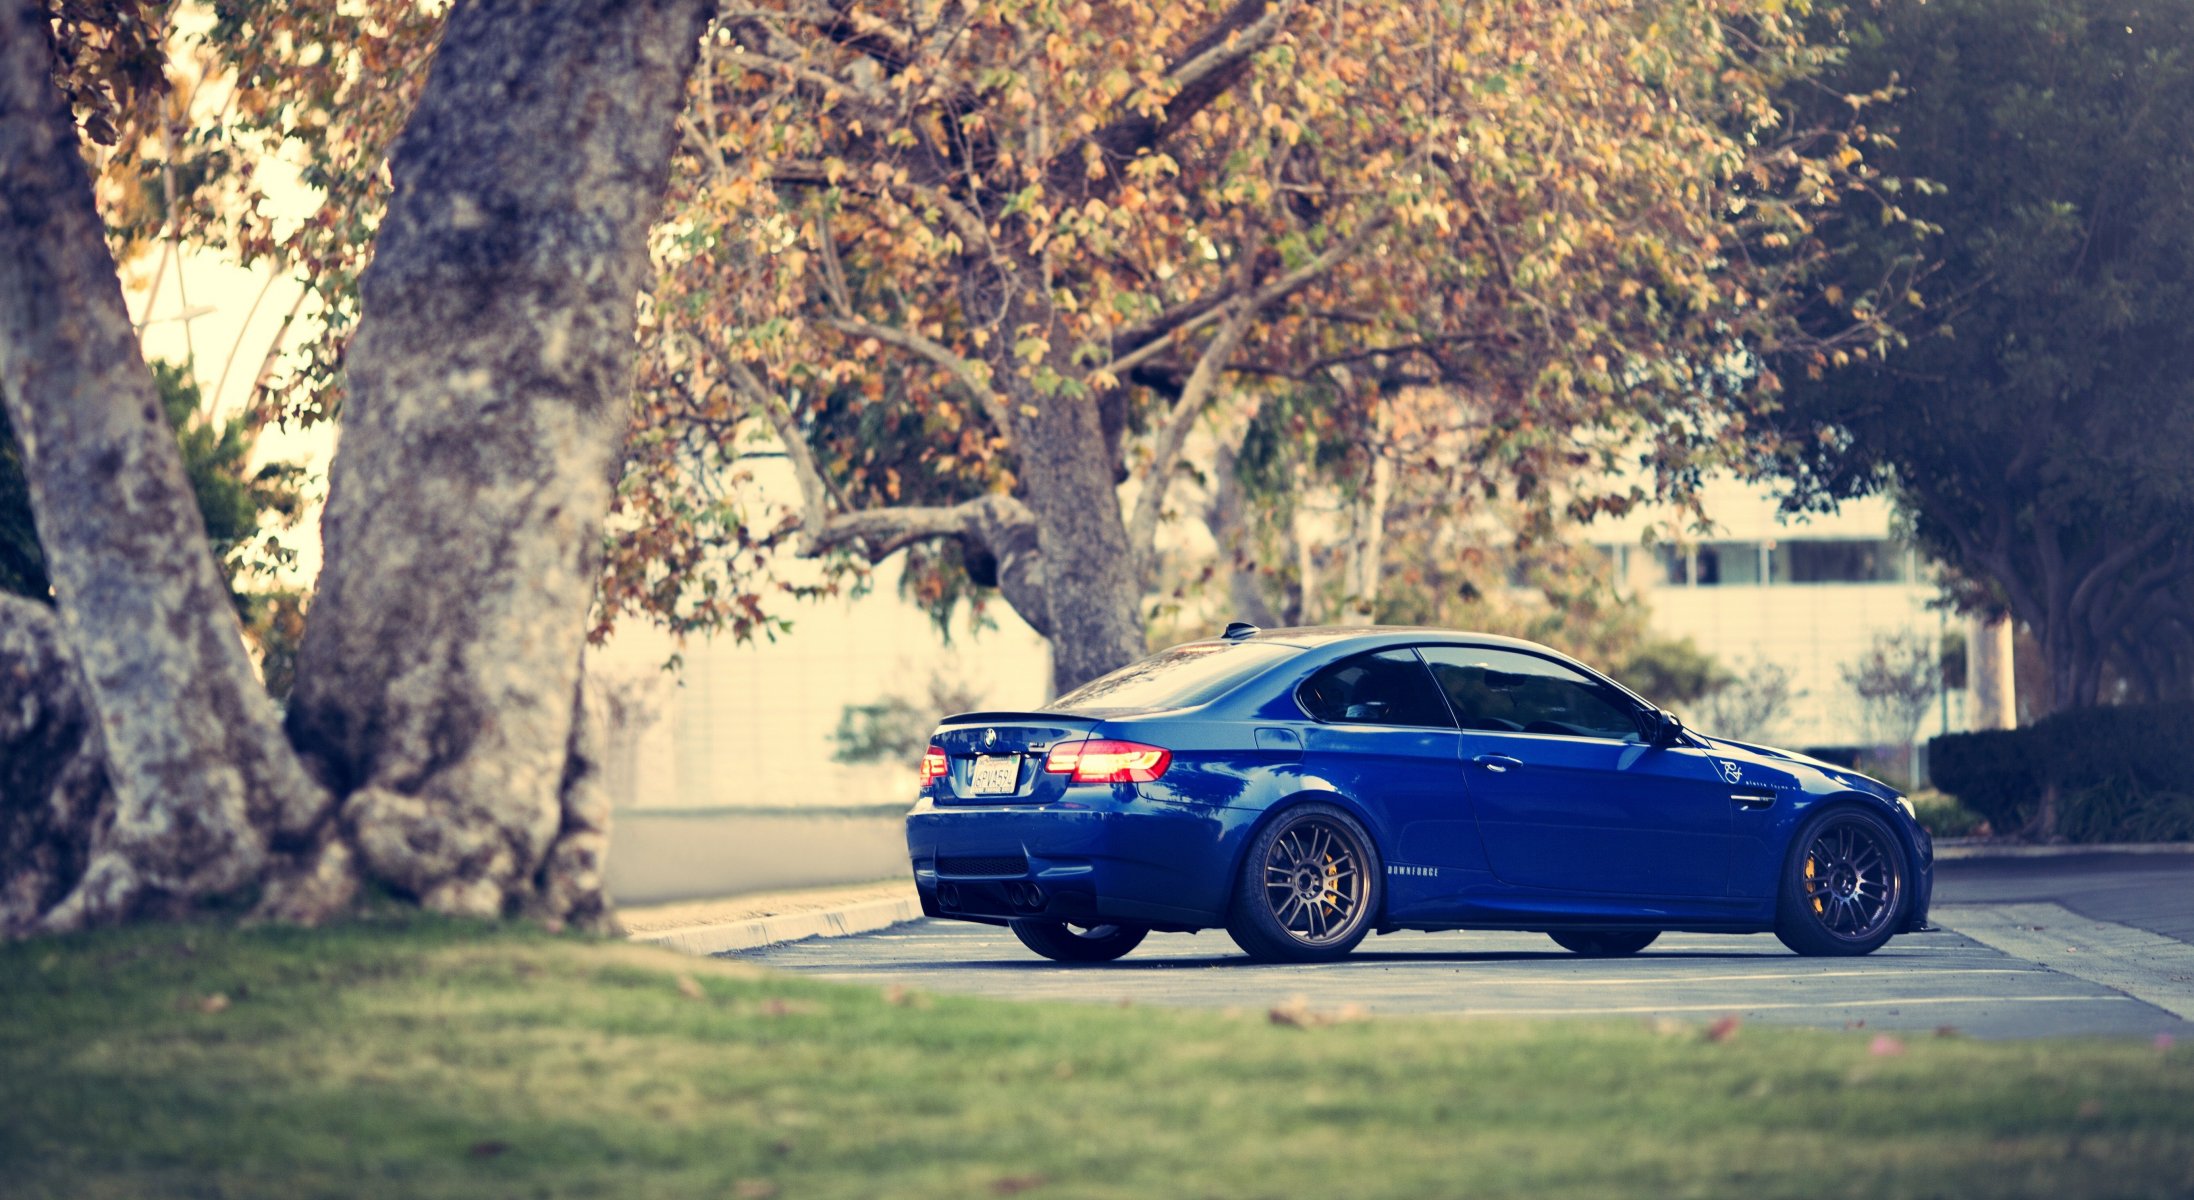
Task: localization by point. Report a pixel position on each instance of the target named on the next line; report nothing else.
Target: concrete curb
(724, 937)
(1950, 850)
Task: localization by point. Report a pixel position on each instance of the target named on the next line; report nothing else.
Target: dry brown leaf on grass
(904, 997)
(1012, 1184)
(1724, 1028)
(1297, 1013)
(689, 987)
(213, 1003)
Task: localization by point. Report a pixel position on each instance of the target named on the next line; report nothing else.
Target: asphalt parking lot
(2086, 945)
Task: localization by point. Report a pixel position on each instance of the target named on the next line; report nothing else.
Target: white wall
(749, 725)
(1811, 630)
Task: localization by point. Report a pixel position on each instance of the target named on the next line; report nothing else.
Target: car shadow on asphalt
(1362, 958)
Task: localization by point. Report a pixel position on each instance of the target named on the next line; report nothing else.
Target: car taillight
(1101, 761)
(933, 765)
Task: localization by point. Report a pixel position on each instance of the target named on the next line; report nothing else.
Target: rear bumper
(1099, 855)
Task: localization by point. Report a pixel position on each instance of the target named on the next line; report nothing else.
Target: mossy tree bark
(204, 784)
(436, 746)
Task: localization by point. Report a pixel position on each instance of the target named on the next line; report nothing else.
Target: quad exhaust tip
(1025, 895)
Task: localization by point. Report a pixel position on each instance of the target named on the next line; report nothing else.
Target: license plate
(995, 775)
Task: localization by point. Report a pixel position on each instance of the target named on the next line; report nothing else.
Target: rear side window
(1176, 678)
(1503, 691)
(1387, 688)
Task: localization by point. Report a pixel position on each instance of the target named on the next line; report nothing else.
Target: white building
(749, 726)
(1809, 593)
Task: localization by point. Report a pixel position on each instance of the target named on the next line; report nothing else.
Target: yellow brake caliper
(1331, 871)
(1817, 908)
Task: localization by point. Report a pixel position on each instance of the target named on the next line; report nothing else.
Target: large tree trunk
(487, 399)
(140, 761)
(54, 796)
(204, 785)
(1090, 569)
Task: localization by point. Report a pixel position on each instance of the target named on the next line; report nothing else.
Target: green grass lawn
(416, 1057)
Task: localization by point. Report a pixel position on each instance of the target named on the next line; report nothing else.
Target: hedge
(2119, 774)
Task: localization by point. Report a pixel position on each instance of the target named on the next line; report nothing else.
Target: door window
(1505, 691)
(1387, 688)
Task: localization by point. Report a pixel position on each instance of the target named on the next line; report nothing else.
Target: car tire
(1311, 865)
(1061, 942)
(1605, 943)
(1844, 890)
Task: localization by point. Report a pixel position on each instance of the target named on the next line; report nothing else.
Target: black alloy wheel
(1843, 888)
(1062, 942)
(1605, 943)
(1308, 889)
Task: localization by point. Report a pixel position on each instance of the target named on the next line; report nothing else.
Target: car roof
(1349, 638)
(1309, 637)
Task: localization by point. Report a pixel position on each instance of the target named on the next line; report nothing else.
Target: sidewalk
(765, 918)
(1957, 848)
(2143, 887)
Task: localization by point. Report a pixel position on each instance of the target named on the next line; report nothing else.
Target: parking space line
(1777, 976)
(1823, 1006)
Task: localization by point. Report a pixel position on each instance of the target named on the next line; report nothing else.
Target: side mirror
(1667, 729)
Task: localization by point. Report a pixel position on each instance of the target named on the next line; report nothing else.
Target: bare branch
(1130, 345)
(702, 145)
(972, 377)
(825, 87)
(882, 532)
(814, 496)
(1142, 530)
(834, 274)
(1164, 341)
(1204, 72)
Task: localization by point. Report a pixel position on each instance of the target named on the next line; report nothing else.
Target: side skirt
(1578, 927)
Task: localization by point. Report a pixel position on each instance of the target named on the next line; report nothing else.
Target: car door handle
(1753, 797)
(1497, 763)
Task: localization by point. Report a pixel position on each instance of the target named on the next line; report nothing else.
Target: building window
(1843, 562)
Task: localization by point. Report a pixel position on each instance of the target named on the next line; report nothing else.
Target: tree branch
(1206, 69)
(1130, 344)
(972, 377)
(1142, 530)
(806, 473)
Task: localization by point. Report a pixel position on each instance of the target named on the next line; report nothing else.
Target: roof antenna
(1237, 630)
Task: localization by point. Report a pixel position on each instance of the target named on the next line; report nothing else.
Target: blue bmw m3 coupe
(1305, 787)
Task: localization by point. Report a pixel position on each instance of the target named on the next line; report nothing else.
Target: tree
(1057, 233)
(1896, 680)
(1748, 701)
(431, 745)
(1673, 672)
(897, 728)
(2039, 422)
